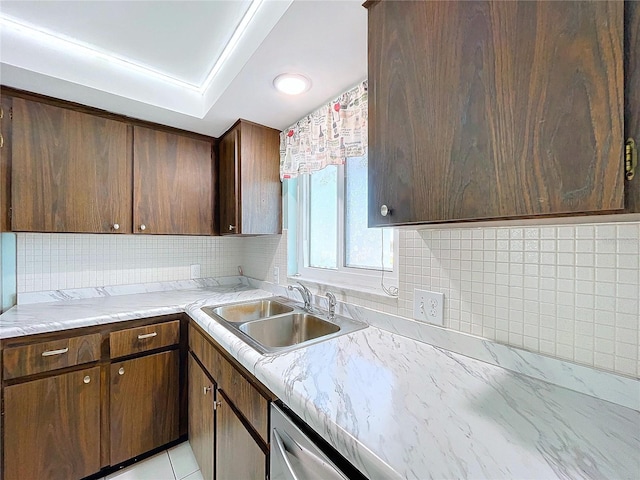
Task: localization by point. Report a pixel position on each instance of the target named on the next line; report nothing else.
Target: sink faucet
(332, 305)
(304, 292)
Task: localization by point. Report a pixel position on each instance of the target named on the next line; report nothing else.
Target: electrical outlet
(195, 271)
(428, 306)
(276, 275)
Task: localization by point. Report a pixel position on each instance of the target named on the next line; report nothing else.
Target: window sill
(375, 294)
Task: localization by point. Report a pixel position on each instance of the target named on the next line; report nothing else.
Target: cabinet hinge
(630, 158)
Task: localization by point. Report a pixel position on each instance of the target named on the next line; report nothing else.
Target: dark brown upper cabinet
(632, 94)
(173, 183)
(71, 168)
(71, 171)
(495, 110)
(249, 183)
(5, 162)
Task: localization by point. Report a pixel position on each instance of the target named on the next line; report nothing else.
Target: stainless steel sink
(246, 312)
(288, 330)
(274, 326)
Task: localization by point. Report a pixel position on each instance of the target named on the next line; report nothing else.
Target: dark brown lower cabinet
(202, 393)
(143, 404)
(52, 427)
(238, 448)
(237, 453)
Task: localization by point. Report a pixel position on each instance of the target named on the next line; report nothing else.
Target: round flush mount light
(292, 83)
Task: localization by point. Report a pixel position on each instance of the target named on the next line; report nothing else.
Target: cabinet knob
(86, 379)
(143, 227)
(116, 226)
(384, 210)
(121, 371)
(207, 389)
(232, 227)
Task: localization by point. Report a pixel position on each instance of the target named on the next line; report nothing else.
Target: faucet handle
(332, 305)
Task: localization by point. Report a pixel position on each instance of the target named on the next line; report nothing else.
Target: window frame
(356, 278)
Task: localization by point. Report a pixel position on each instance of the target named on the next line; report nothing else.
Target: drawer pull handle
(87, 379)
(147, 335)
(50, 353)
(121, 371)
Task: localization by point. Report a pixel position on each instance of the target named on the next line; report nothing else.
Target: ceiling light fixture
(292, 83)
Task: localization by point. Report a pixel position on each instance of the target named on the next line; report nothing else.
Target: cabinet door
(52, 427)
(201, 426)
(494, 109)
(228, 183)
(5, 163)
(71, 171)
(632, 95)
(234, 442)
(260, 186)
(144, 404)
(173, 183)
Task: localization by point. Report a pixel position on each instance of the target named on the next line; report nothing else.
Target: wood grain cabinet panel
(143, 404)
(237, 453)
(142, 339)
(52, 427)
(241, 415)
(253, 404)
(632, 94)
(491, 109)
(249, 182)
(52, 355)
(202, 393)
(71, 171)
(173, 183)
(5, 162)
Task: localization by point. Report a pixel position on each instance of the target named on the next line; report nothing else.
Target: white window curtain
(327, 136)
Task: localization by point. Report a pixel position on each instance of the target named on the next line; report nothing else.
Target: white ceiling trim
(50, 54)
(63, 43)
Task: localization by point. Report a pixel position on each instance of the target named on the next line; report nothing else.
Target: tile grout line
(173, 470)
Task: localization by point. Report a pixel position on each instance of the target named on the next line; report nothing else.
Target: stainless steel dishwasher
(296, 456)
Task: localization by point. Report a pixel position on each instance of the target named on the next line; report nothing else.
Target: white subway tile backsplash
(64, 261)
(569, 291)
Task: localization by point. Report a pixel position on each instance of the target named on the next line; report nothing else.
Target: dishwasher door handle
(280, 448)
(306, 458)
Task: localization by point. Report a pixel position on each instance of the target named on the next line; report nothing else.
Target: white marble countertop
(396, 407)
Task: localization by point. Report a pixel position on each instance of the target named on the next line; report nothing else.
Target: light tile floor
(177, 463)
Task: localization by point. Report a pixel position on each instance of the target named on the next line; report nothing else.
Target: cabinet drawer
(253, 405)
(51, 355)
(206, 353)
(141, 339)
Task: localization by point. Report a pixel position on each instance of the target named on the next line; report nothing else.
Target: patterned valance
(327, 136)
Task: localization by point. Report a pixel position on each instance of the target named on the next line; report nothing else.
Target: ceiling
(196, 65)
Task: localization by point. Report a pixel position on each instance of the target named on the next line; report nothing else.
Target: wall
(567, 291)
(7, 271)
(62, 261)
(262, 254)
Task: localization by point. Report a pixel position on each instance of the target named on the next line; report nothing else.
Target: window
(333, 242)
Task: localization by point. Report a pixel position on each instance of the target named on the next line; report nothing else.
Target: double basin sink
(271, 326)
